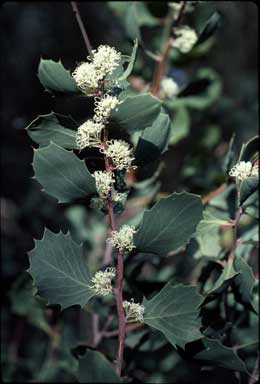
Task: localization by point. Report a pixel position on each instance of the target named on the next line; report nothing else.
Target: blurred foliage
(218, 101)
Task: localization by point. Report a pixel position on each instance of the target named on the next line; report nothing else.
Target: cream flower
(104, 106)
(120, 153)
(133, 311)
(168, 88)
(185, 38)
(102, 282)
(86, 77)
(244, 170)
(123, 239)
(104, 181)
(105, 59)
(89, 134)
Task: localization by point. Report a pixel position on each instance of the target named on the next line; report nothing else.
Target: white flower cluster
(104, 106)
(243, 170)
(123, 239)
(102, 281)
(105, 60)
(120, 153)
(89, 134)
(168, 88)
(88, 75)
(185, 38)
(133, 311)
(104, 181)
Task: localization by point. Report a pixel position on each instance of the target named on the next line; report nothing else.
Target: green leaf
(169, 224)
(199, 94)
(180, 125)
(244, 281)
(225, 279)
(249, 149)
(54, 77)
(136, 113)
(207, 234)
(175, 312)
(247, 187)
(24, 303)
(47, 128)
(130, 66)
(95, 368)
(210, 28)
(62, 174)
(153, 140)
(59, 270)
(137, 15)
(217, 354)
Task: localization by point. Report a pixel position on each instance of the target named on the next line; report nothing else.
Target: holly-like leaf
(169, 224)
(136, 113)
(217, 354)
(175, 312)
(59, 270)
(62, 174)
(95, 368)
(153, 140)
(47, 128)
(247, 187)
(207, 234)
(54, 77)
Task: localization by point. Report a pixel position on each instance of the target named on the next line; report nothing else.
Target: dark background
(31, 30)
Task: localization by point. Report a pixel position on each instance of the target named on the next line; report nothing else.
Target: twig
(129, 328)
(214, 193)
(82, 28)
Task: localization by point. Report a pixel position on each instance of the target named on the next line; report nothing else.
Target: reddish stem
(120, 274)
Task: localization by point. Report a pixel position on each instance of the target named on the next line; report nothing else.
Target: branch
(161, 65)
(82, 28)
(129, 328)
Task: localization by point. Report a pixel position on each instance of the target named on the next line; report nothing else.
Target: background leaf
(174, 311)
(62, 174)
(95, 368)
(59, 270)
(221, 356)
(169, 224)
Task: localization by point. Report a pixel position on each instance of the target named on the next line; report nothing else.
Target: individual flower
(185, 38)
(118, 197)
(168, 88)
(86, 77)
(89, 134)
(120, 153)
(102, 281)
(105, 60)
(104, 106)
(123, 239)
(243, 170)
(104, 181)
(133, 311)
